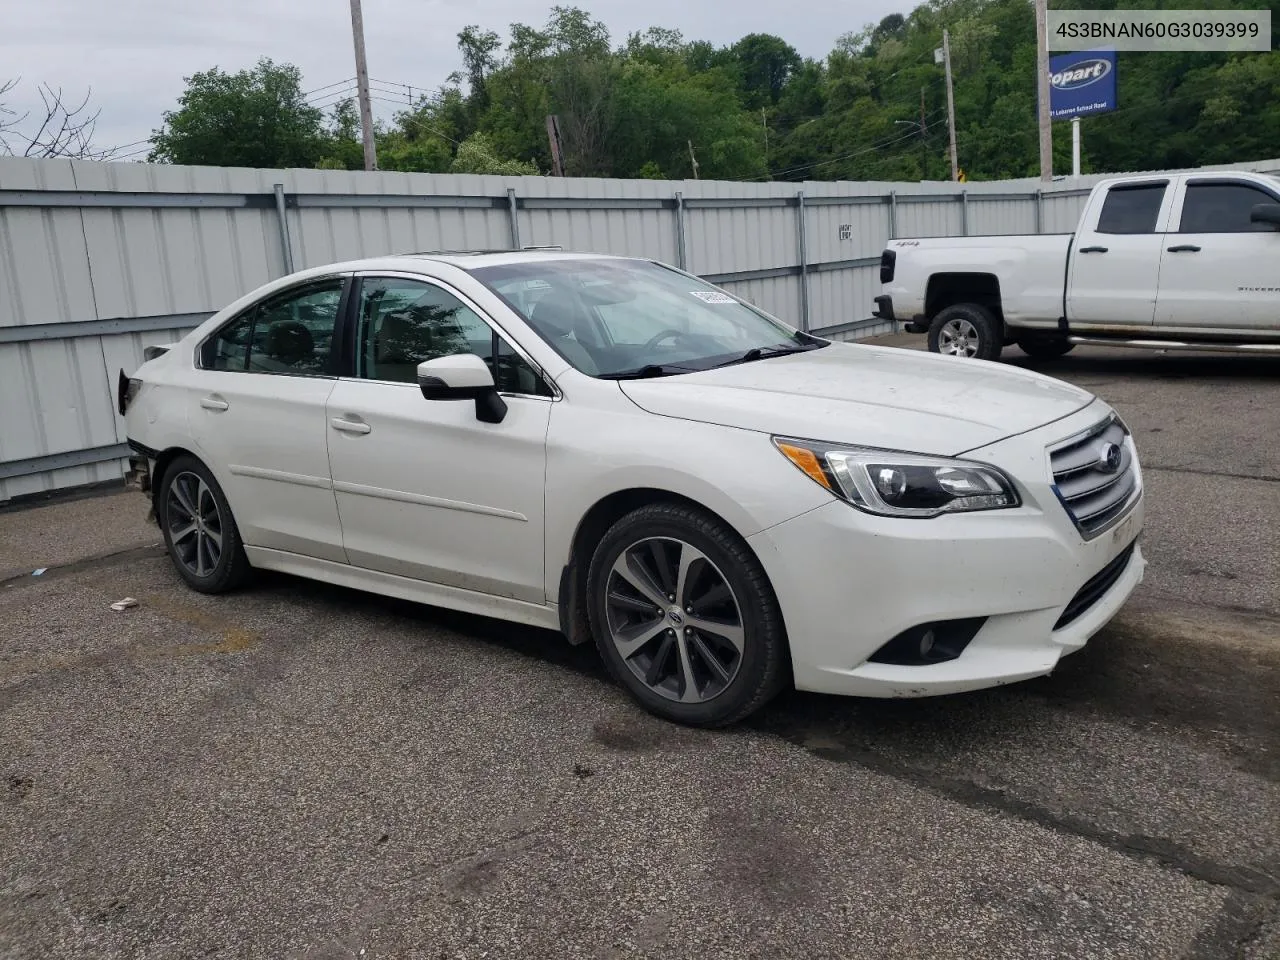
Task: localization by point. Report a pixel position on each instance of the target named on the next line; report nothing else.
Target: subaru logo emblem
(1109, 458)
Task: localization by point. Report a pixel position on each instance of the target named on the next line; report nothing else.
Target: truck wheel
(966, 330)
(1045, 348)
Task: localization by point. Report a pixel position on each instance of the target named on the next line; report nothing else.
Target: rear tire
(199, 530)
(966, 330)
(1045, 348)
(685, 617)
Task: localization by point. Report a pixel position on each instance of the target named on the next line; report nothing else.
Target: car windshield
(634, 318)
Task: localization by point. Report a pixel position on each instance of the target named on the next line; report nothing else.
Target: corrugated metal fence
(99, 260)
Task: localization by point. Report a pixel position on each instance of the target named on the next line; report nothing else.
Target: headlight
(901, 484)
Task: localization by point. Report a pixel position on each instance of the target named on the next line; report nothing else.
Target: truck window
(1221, 208)
(1131, 209)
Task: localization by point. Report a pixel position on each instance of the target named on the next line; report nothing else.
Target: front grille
(1096, 588)
(1094, 476)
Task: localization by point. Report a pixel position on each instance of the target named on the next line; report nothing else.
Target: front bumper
(848, 582)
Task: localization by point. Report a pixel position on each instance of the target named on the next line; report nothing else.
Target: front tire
(1045, 348)
(966, 330)
(684, 616)
(199, 530)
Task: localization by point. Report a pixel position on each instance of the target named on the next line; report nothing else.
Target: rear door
(1221, 271)
(1115, 260)
(256, 408)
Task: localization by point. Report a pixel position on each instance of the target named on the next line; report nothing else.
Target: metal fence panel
(846, 231)
(1001, 216)
(136, 254)
(930, 219)
(1062, 213)
(779, 296)
(840, 297)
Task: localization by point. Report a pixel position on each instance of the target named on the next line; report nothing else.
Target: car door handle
(215, 403)
(349, 426)
(1093, 249)
(1185, 248)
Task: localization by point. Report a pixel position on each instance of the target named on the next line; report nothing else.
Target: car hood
(871, 396)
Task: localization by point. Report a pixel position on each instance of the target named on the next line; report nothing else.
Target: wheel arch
(592, 526)
(948, 289)
(162, 462)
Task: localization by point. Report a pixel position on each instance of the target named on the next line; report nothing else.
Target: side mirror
(1266, 213)
(463, 376)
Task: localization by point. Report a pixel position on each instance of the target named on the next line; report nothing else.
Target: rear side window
(1131, 209)
(1222, 208)
(292, 333)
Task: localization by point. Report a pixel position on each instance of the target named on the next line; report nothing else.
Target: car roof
(469, 259)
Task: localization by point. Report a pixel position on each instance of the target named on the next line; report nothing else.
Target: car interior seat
(559, 317)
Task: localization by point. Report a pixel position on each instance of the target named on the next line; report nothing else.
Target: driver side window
(403, 322)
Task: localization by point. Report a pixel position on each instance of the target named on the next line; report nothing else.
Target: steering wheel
(661, 335)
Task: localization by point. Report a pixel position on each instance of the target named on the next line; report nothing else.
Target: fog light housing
(929, 643)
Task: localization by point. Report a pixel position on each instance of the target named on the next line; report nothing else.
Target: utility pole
(951, 103)
(362, 81)
(557, 152)
(1042, 90)
(693, 158)
(765, 120)
(924, 146)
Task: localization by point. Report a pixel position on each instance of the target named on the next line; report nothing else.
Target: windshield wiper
(645, 372)
(762, 353)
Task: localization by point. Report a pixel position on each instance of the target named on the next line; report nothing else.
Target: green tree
(764, 64)
(252, 118)
(478, 48)
(343, 148)
(477, 155)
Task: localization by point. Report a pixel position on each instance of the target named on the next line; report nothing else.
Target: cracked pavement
(307, 772)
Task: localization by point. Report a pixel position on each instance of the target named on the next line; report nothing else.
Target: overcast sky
(135, 53)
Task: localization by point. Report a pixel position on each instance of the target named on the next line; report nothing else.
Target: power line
(848, 156)
(135, 153)
(337, 83)
(419, 122)
(339, 93)
(411, 87)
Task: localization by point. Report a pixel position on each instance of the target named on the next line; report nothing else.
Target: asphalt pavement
(306, 772)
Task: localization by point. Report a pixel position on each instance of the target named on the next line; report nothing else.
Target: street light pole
(362, 82)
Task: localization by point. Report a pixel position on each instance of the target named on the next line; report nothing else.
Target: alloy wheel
(958, 338)
(195, 524)
(674, 620)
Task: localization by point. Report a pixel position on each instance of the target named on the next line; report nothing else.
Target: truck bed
(1030, 270)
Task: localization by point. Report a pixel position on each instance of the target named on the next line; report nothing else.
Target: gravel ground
(301, 771)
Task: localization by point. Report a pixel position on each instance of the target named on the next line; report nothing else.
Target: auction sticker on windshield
(712, 296)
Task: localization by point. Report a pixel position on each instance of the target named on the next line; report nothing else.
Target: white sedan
(617, 450)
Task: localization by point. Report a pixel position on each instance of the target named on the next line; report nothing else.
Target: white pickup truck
(1180, 261)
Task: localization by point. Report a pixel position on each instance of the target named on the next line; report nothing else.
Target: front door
(256, 407)
(425, 489)
(1115, 259)
(1221, 271)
